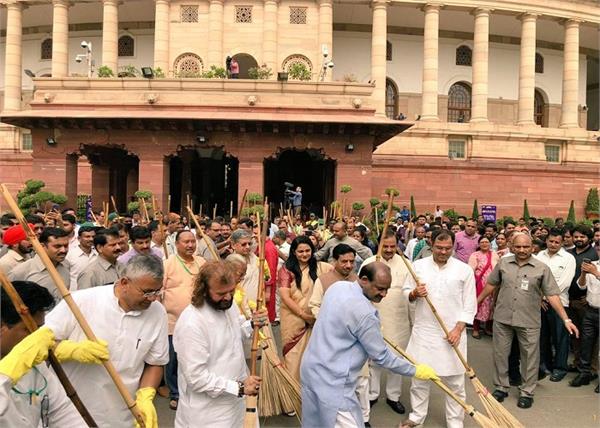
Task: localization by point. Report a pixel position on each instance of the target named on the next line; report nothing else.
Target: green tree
(571, 217)
(413, 209)
(475, 212)
(592, 202)
(32, 196)
(526, 215)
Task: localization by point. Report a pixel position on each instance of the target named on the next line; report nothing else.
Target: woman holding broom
(483, 262)
(295, 282)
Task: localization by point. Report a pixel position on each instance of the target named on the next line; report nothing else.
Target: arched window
(46, 49)
(298, 59)
(388, 50)
(539, 108)
(391, 99)
(126, 46)
(464, 55)
(188, 65)
(539, 63)
(459, 102)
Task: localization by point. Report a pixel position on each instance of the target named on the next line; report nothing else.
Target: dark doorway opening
(246, 62)
(115, 174)
(209, 176)
(310, 169)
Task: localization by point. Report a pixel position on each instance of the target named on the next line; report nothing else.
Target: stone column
(60, 38)
(13, 62)
(527, 70)
(569, 117)
(429, 108)
(479, 107)
(326, 31)
(154, 173)
(215, 33)
(110, 34)
(161, 36)
(270, 35)
(100, 185)
(378, 58)
(71, 178)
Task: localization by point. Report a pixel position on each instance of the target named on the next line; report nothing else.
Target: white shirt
(451, 289)
(285, 249)
(134, 338)
(17, 411)
(79, 261)
(410, 247)
(593, 288)
(562, 264)
(211, 361)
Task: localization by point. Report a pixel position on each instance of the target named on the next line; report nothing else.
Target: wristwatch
(241, 390)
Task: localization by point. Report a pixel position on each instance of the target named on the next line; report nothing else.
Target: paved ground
(556, 404)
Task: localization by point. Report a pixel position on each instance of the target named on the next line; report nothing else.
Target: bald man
(522, 281)
(340, 236)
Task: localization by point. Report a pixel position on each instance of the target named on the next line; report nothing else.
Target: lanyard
(33, 393)
(184, 266)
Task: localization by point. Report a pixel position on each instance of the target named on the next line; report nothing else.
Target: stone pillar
(132, 182)
(60, 38)
(71, 178)
(161, 36)
(569, 117)
(527, 69)
(110, 34)
(13, 62)
(215, 33)
(378, 58)
(326, 31)
(429, 108)
(154, 176)
(100, 185)
(479, 107)
(270, 35)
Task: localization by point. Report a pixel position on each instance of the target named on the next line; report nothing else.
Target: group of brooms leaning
(280, 392)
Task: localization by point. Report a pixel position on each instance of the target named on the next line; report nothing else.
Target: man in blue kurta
(346, 333)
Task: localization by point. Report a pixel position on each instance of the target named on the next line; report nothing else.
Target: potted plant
(105, 71)
(592, 204)
(299, 71)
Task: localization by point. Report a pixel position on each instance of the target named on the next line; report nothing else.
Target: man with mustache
(19, 248)
(212, 372)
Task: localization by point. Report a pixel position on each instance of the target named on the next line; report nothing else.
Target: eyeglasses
(147, 294)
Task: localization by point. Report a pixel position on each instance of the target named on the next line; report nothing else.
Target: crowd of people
(174, 309)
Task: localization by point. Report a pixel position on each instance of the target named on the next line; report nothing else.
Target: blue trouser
(171, 372)
(560, 339)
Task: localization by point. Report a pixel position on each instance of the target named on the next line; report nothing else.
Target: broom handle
(461, 357)
(32, 326)
(239, 213)
(159, 216)
(260, 292)
(468, 408)
(112, 199)
(202, 235)
(85, 327)
(386, 222)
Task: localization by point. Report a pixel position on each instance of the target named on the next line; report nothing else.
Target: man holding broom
(450, 285)
(346, 333)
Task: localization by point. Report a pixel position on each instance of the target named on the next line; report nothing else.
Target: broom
(64, 291)
(481, 420)
(386, 223)
(494, 409)
(202, 235)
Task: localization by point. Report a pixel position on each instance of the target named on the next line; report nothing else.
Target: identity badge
(524, 284)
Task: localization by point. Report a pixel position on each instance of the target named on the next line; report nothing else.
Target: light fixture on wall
(29, 73)
(51, 141)
(349, 147)
(201, 138)
(282, 76)
(147, 72)
(87, 56)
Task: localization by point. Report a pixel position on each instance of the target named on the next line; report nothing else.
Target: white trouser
(362, 392)
(345, 420)
(393, 387)
(419, 400)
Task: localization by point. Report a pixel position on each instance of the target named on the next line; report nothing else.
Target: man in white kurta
(394, 313)
(126, 316)
(212, 371)
(450, 285)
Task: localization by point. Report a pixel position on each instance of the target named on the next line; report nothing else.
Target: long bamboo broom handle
(259, 293)
(468, 408)
(85, 327)
(106, 209)
(386, 223)
(239, 213)
(202, 235)
(112, 199)
(461, 357)
(159, 216)
(32, 326)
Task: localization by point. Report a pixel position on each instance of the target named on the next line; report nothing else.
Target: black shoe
(581, 379)
(525, 402)
(597, 390)
(572, 368)
(367, 425)
(557, 376)
(372, 402)
(515, 382)
(542, 374)
(396, 406)
(499, 395)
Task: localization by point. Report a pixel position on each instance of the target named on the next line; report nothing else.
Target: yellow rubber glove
(424, 372)
(144, 400)
(86, 351)
(29, 352)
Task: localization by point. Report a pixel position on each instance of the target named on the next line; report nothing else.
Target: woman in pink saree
(483, 261)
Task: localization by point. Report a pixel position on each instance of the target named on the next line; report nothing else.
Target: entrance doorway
(209, 175)
(246, 62)
(310, 169)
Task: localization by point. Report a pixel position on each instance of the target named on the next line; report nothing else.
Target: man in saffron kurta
(346, 333)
